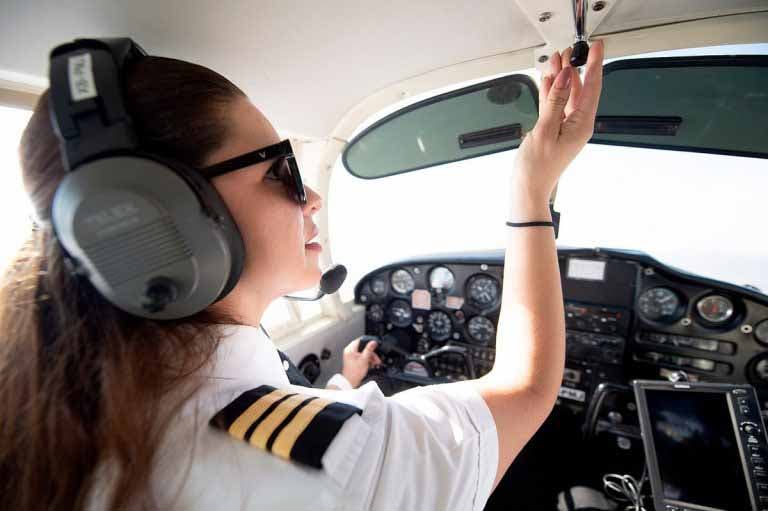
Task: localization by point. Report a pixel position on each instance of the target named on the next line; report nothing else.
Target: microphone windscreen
(333, 278)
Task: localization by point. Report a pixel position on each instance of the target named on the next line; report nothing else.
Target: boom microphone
(330, 282)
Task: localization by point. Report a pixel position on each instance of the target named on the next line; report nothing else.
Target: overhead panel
(630, 14)
(556, 24)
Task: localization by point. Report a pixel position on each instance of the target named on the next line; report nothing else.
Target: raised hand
(567, 110)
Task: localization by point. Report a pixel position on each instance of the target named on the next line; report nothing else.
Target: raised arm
(521, 389)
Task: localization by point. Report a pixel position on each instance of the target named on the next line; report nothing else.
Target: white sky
(701, 213)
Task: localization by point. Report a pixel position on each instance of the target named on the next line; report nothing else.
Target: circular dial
(376, 312)
(400, 313)
(441, 278)
(761, 331)
(481, 329)
(379, 286)
(422, 345)
(439, 325)
(716, 309)
(660, 304)
(483, 291)
(759, 373)
(403, 282)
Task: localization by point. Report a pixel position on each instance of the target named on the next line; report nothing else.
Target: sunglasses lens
(289, 175)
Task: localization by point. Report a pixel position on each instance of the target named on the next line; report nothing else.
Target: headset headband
(87, 107)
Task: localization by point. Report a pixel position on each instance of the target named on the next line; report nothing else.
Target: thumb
(368, 351)
(551, 112)
(352, 346)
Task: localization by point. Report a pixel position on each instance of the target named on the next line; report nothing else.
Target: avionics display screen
(696, 449)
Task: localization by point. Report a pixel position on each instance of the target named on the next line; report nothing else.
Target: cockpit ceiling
(629, 15)
(306, 63)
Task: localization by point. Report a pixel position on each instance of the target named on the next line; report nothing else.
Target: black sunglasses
(285, 167)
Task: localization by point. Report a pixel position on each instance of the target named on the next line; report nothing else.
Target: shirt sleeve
(339, 381)
(431, 447)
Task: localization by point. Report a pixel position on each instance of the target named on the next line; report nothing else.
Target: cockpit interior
(628, 317)
(374, 96)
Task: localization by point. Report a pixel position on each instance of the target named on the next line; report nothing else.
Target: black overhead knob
(580, 53)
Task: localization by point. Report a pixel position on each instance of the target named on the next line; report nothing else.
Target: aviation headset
(151, 234)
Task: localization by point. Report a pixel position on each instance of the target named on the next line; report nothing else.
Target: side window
(279, 316)
(284, 316)
(15, 208)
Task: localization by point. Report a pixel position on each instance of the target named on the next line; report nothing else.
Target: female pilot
(101, 409)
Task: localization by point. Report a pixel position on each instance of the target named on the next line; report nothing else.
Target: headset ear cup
(214, 203)
(152, 238)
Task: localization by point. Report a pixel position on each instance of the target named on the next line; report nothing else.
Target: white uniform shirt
(429, 448)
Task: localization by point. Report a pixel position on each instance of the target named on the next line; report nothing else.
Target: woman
(103, 410)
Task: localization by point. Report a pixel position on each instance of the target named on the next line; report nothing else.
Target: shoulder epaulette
(290, 425)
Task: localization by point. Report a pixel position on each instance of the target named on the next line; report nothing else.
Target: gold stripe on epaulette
(267, 427)
(287, 437)
(240, 426)
(290, 425)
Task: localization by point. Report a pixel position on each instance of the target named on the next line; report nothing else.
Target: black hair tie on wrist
(530, 224)
(554, 223)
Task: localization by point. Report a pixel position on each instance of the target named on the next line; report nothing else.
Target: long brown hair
(81, 382)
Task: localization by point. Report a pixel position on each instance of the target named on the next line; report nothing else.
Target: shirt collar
(245, 353)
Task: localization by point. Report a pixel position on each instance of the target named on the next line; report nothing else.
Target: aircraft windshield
(698, 212)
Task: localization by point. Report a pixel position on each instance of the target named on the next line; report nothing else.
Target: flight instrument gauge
(758, 372)
(483, 291)
(400, 313)
(403, 282)
(715, 309)
(439, 325)
(761, 331)
(660, 304)
(379, 286)
(481, 329)
(441, 278)
(376, 312)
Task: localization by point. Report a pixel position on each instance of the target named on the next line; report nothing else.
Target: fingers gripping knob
(384, 347)
(365, 340)
(563, 80)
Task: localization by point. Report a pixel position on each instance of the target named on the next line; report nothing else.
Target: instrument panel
(628, 316)
(445, 315)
